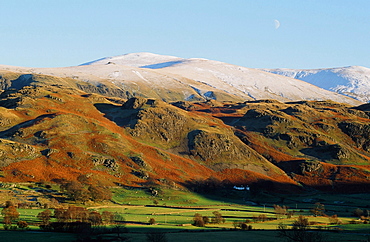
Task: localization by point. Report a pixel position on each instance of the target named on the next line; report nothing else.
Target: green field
(173, 212)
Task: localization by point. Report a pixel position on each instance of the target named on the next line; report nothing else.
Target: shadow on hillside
(240, 193)
(225, 191)
(122, 117)
(11, 131)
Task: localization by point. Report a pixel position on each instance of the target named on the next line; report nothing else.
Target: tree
(301, 223)
(318, 210)
(75, 191)
(78, 214)
(299, 232)
(60, 214)
(242, 225)
(198, 220)
(107, 217)
(280, 211)
(217, 219)
(95, 218)
(262, 217)
(205, 220)
(334, 219)
(358, 212)
(71, 214)
(119, 229)
(22, 224)
(99, 193)
(9, 204)
(10, 214)
(44, 216)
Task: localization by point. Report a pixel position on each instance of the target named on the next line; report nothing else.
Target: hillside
(173, 79)
(51, 130)
(352, 81)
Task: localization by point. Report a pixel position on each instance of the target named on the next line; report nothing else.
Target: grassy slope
(53, 131)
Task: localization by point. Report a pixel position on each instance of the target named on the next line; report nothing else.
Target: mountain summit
(173, 79)
(141, 59)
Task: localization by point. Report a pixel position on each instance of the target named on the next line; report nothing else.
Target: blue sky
(312, 33)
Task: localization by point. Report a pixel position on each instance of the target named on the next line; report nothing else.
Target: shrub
(151, 221)
(244, 226)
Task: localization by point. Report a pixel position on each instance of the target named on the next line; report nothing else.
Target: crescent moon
(277, 24)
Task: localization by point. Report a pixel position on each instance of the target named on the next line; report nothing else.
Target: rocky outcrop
(359, 133)
(158, 121)
(311, 167)
(109, 163)
(212, 146)
(11, 152)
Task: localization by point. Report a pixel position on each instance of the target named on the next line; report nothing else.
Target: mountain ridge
(352, 81)
(173, 78)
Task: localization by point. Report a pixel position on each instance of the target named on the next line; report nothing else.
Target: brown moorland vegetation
(51, 130)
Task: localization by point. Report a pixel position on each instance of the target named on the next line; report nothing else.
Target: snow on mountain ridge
(135, 59)
(173, 78)
(353, 81)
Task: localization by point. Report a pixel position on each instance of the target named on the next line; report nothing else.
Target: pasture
(173, 212)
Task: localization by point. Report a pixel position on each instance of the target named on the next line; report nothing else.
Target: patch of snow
(140, 76)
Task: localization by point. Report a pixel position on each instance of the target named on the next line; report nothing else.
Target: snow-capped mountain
(353, 81)
(173, 78)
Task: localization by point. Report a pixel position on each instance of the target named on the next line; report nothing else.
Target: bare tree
(299, 232)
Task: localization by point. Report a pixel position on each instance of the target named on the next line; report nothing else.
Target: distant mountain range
(172, 78)
(352, 81)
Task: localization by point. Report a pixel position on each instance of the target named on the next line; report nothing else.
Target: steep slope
(56, 133)
(173, 79)
(353, 81)
(319, 144)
